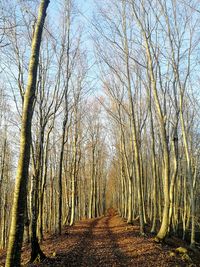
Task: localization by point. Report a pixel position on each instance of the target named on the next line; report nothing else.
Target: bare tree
(17, 225)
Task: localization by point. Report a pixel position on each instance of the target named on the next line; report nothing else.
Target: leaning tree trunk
(20, 193)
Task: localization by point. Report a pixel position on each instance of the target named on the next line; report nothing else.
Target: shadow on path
(74, 257)
(97, 247)
(123, 260)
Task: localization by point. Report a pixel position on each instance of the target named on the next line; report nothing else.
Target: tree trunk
(20, 192)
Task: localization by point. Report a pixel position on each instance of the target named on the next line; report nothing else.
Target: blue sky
(85, 17)
(87, 6)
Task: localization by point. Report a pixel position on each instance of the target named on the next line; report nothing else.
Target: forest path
(97, 247)
(106, 241)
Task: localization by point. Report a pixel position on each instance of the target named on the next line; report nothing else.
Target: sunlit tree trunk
(189, 172)
(20, 193)
(133, 128)
(153, 156)
(74, 170)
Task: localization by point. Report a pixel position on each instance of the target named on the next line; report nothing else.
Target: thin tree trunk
(134, 138)
(189, 173)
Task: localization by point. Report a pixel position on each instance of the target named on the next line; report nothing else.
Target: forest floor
(109, 241)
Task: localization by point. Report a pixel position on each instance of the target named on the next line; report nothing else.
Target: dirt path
(97, 247)
(100, 248)
(106, 241)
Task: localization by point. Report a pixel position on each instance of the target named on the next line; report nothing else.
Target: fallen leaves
(109, 241)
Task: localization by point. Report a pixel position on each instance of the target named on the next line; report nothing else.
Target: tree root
(36, 254)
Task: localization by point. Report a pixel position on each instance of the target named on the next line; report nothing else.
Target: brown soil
(108, 241)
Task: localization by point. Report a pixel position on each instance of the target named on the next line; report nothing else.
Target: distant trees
(96, 154)
(5, 170)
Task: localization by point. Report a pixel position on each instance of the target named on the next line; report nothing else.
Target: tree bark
(20, 193)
